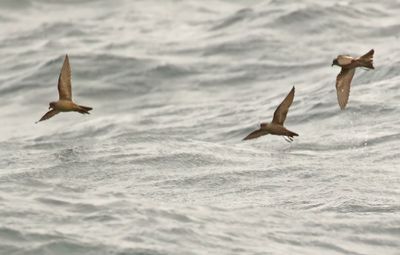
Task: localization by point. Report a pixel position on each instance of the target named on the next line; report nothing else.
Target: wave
(175, 87)
(239, 16)
(10, 4)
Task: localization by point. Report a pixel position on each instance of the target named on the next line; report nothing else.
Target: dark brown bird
(64, 104)
(276, 126)
(349, 65)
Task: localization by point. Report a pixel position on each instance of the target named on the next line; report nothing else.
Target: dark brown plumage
(65, 103)
(344, 78)
(276, 126)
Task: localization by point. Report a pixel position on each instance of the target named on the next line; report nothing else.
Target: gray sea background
(159, 166)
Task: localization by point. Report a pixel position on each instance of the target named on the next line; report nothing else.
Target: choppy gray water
(159, 166)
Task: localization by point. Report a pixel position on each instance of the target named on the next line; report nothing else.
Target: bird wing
(48, 115)
(344, 60)
(64, 81)
(282, 110)
(255, 134)
(343, 82)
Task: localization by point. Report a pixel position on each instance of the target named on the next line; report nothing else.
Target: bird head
(335, 62)
(52, 105)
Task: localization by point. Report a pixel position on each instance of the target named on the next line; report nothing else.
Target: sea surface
(159, 166)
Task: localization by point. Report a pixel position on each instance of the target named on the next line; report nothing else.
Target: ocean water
(159, 166)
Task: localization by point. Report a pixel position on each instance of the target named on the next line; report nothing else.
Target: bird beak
(332, 65)
(49, 107)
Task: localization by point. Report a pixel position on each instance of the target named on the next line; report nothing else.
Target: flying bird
(276, 126)
(65, 103)
(349, 65)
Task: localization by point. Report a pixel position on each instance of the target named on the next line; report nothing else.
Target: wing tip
(248, 137)
(342, 105)
(66, 58)
(292, 92)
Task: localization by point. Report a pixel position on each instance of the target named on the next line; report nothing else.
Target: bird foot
(288, 139)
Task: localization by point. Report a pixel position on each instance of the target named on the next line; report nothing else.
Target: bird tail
(290, 133)
(84, 109)
(367, 60)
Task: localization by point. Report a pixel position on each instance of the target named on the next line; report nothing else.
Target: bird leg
(288, 139)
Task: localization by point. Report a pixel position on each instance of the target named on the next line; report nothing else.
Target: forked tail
(84, 109)
(290, 133)
(367, 60)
